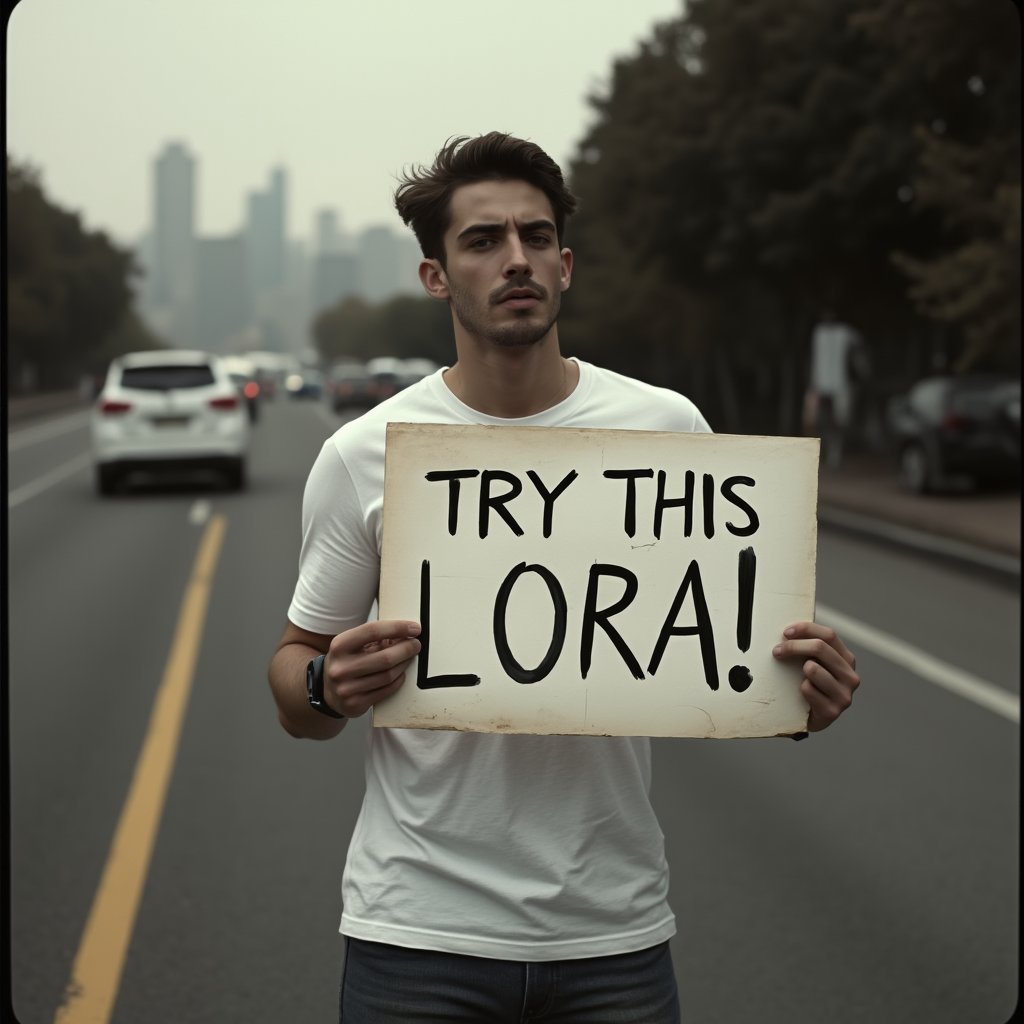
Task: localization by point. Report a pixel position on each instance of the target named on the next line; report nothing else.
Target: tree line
(754, 164)
(70, 296)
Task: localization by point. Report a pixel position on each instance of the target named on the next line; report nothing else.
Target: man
(489, 877)
(835, 349)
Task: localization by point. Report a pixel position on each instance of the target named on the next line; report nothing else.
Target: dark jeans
(384, 984)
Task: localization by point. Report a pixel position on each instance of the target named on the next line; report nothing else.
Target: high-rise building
(265, 233)
(377, 250)
(335, 277)
(223, 306)
(171, 289)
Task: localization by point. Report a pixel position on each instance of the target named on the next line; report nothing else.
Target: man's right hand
(363, 665)
(368, 663)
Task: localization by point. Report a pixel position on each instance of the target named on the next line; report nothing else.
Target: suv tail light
(228, 402)
(110, 407)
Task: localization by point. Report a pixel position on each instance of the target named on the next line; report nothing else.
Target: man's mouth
(519, 297)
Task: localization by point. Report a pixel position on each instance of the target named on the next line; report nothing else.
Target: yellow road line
(96, 972)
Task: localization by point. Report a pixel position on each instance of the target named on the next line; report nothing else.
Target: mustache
(518, 285)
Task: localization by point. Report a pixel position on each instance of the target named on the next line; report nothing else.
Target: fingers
(368, 663)
(829, 668)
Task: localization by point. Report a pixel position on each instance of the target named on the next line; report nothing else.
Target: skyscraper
(265, 233)
(173, 242)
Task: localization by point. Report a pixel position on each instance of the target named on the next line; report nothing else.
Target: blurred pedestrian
(835, 352)
(490, 877)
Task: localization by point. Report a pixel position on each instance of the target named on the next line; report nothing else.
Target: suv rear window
(164, 378)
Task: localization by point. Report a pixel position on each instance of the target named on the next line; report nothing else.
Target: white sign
(599, 582)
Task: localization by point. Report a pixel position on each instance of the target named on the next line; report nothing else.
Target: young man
(489, 876)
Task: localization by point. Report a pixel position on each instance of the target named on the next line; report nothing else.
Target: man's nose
(517, 264)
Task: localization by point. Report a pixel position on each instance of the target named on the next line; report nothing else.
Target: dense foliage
(69, 292)
(405, 327)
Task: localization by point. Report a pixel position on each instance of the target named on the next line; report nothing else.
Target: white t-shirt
(510, 846)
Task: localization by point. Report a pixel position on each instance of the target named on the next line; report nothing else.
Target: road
(868, 874)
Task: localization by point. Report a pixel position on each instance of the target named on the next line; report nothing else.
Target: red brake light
(228, 402)
(110, 407)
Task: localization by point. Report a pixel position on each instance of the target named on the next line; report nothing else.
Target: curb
(948, 548)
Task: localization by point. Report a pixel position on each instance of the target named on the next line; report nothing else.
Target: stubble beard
(518, 334)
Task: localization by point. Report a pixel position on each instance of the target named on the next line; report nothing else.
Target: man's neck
(511, 383)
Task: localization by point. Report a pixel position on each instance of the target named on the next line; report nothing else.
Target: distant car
(386, 377)
(947, 426)
(347, 385)
(304, 383)
(168, 410)
(416, 369)
(246, 379)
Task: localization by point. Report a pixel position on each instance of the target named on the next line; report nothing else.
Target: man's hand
(829, 676)
(366, 664)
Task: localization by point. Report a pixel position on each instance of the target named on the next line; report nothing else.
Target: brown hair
(423, 197)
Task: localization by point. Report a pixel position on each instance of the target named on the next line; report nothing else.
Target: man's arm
(363, 665)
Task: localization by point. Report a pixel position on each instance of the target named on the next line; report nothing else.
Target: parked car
(168, 410)
(246, 379)
(947, 426)
(348, 386)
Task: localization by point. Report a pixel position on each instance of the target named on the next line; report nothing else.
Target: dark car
(957, 426)
(347, 386)
(385, 377)
(244, 376)
(305, 383)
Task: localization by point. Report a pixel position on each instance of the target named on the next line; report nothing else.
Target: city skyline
(256, 287)
(346, 96)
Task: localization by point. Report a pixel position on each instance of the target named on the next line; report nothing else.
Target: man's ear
(565, 276)
(434, 279)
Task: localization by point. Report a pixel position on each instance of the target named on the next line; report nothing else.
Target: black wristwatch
(315, 687)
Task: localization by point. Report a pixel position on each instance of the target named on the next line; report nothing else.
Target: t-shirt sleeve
(339, 561)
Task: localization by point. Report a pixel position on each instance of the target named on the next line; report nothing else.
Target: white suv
(168, 409)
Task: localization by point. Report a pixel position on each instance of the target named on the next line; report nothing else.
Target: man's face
(504, 273)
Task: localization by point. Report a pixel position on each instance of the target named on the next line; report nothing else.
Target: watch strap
(315, 687)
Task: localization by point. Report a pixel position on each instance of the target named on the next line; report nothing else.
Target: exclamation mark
(739, 675)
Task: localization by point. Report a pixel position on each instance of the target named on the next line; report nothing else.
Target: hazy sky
(344, 94)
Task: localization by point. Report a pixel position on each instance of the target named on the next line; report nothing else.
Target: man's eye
(539, 240)
(481, 243)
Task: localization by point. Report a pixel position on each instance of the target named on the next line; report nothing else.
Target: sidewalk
(867, 487)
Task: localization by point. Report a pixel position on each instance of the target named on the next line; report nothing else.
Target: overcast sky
(344, 94)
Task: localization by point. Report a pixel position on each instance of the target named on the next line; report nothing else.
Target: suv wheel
(236, 475)
(106, 480)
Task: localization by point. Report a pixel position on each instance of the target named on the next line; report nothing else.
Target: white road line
(929, 668)
(47, 480)
(199, 512)
(18, 439)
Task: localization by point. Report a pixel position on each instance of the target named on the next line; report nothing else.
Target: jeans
(383, 984)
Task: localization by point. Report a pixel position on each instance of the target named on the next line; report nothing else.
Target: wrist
(315, 688)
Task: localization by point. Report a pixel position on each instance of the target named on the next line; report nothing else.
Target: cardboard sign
(599, 582)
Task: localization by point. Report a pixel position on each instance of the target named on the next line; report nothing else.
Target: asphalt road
(869, 874)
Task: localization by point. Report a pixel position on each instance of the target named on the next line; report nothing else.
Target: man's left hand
(829, 670)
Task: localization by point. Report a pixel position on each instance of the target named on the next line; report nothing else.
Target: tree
(69, 290)
(967, 126)
(752, 163)
(403, 326)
